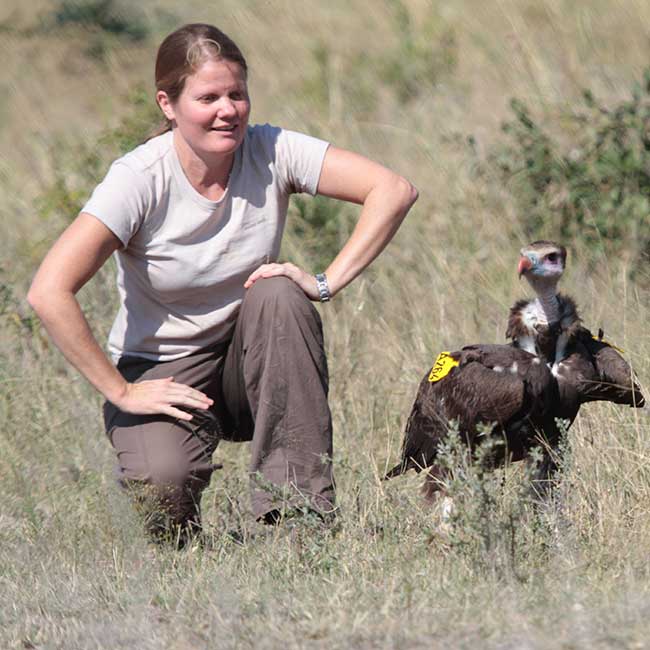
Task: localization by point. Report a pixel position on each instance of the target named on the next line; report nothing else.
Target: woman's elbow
(37, 298)
(413, 194)
(41, 297)
(407, 192)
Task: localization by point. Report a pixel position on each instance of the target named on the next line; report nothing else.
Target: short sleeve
(299, 161)
(121, 201)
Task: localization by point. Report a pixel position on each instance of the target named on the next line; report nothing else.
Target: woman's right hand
(161, 396)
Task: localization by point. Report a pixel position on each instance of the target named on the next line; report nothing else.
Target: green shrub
(353, 85)
(497, 523)
(108, 15)
(422, 57)
(136, 126)
(590, 183)
(317, 228)
(341, 87)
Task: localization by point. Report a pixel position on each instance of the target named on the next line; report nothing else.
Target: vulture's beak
(524, 265)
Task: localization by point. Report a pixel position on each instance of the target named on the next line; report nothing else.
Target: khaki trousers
(269, 384)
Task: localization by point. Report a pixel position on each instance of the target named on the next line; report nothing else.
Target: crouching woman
(214, 339)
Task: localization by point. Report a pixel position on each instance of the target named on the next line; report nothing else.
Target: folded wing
(499, 386)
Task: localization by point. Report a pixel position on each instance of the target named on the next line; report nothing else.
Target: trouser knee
(278, 308)
(280, 292)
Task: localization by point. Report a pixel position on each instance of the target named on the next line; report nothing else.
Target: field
(423, 86)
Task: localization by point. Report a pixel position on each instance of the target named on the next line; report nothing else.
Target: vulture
(518, 390)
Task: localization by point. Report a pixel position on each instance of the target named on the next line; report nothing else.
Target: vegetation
(408, 83)
(107, 15)
(592, 186)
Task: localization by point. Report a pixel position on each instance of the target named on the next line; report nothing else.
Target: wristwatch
(323, 287)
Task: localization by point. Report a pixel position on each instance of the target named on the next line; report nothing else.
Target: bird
(500, 387)
(521, 389)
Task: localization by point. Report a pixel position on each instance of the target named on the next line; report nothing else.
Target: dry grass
(75, 570)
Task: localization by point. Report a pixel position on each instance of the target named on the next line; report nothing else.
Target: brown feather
(594, 371)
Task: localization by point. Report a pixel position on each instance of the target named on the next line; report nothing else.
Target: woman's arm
(386, 199)
(75, 258)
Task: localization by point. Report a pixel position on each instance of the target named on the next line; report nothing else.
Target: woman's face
(212, 112)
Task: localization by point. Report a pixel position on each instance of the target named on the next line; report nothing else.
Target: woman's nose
(226, 108)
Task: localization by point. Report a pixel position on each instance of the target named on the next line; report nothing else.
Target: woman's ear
(165, 104)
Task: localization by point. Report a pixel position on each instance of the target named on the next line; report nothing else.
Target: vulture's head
(542, 263)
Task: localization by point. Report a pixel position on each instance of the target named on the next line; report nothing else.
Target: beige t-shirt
(185, 259)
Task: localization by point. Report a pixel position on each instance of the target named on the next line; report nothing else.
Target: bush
(423, 57)
(317, 228)
(497, 523)
(349, 85)
(107, 15)
(590, 184)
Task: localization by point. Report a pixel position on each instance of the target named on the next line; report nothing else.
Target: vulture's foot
(443, 514)
(434, 483)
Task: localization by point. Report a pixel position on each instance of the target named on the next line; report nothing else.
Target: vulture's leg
(442, 504)
(434, 483)
(545, 477)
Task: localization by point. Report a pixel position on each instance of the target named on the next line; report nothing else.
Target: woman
(213, 337)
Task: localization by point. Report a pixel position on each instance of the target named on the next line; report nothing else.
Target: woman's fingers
(179, 394)
(176, 413)
(304, 280)
(187, 395)
(163, 396)
(265, 271)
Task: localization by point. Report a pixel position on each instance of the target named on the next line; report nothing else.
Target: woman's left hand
(303, 279)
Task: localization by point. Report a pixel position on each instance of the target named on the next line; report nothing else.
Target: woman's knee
(169, 471)
(174, 482)
(279, 301)
(280, 291)
(160, 453)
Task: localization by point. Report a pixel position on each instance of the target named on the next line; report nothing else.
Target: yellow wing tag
(606, 342)
(442, 367)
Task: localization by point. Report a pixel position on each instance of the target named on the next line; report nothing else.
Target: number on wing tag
(442, 367)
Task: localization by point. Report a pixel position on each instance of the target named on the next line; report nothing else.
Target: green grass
(75, 568)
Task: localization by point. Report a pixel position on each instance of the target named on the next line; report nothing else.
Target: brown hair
(184, 51)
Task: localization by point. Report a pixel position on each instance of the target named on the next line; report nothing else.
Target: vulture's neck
(548, 304)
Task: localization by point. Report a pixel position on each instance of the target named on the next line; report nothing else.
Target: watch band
(323, 287)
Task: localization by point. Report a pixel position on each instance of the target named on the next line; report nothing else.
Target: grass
(75, 569)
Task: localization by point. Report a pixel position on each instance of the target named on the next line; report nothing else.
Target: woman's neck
(208, 176)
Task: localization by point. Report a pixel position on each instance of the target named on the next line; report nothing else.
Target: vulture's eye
(552, 257)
